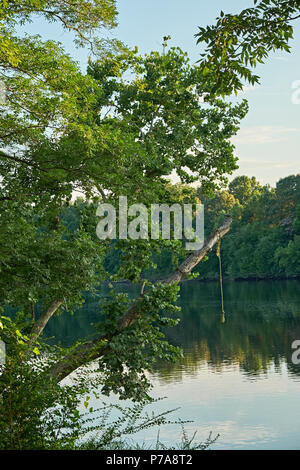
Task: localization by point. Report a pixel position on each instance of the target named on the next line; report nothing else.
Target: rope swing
(218, 253)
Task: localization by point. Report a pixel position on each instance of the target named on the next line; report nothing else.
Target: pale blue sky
(269, 141)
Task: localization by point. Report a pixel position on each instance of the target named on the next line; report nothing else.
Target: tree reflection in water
(262, 321)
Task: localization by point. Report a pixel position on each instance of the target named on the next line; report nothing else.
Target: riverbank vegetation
(122, 127)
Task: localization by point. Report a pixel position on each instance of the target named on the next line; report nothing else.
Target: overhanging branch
(96, 348)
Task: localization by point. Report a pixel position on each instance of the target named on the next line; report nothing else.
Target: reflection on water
(262, 320)
(236, 378)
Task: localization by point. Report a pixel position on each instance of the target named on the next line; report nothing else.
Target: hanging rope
(218, 253)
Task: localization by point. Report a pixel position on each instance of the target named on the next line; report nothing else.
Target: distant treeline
(264, 241)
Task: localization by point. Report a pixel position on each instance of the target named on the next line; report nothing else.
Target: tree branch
(40, 324)
(96, 348)
(20, 160)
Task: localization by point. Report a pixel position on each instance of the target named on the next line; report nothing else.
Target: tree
(45, 92)
(243, 188)
(288, 195)
(121, 129)
(266, 224)
(288, 257)
(238, 42)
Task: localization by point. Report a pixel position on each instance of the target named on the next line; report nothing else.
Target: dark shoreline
(225, 279)
(250, 279)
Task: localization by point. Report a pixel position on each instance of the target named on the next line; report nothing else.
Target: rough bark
(92, 350)
(40, 324)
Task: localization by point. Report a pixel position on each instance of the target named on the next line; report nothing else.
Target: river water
(237, 378)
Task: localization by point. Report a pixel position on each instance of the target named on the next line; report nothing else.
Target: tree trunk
(40, 324)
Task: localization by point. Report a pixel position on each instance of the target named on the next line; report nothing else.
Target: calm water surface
(237, 378)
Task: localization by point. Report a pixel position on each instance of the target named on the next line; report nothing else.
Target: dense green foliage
(266, 223)
(236, 43)
(122, 128)
(38, 415)
(34, 414)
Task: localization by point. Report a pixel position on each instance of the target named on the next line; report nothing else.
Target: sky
(268, 142)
